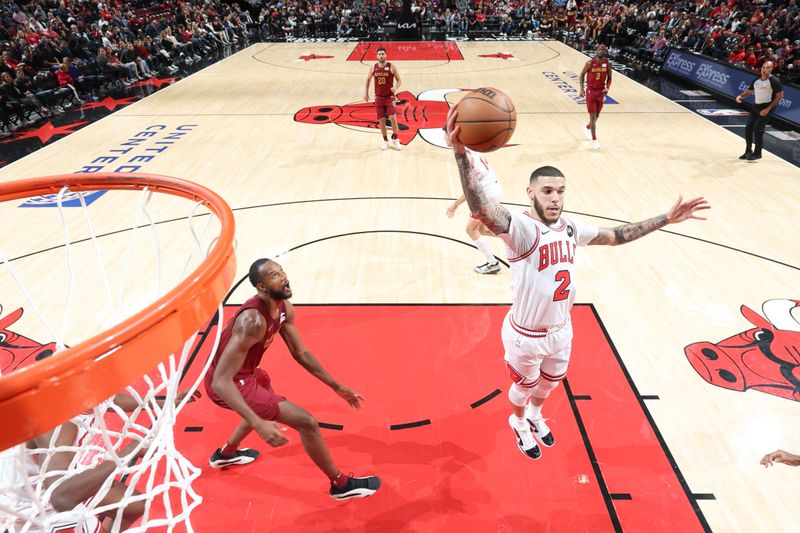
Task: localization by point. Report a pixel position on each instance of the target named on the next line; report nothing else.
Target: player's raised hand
(453, 131)
(271, 433)
(350, 396)
(685, 210)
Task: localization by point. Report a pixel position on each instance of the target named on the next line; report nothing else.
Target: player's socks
(485, 249)
(228, 449)
(339, 481)
(532, 410)
(394, 136)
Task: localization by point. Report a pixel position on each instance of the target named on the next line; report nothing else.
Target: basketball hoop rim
(49, 392)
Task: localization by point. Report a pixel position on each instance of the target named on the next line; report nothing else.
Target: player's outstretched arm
(630, 232)
(128, 403)
(780, 456)
(494, 216)
(291, 337)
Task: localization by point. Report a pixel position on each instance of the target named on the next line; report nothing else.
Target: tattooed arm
(494, 216)
(630, 232)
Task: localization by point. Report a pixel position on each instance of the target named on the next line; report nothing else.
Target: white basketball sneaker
(596, 145)
(396, 144)
(488, 268)
(384, 145)
(525, 441)
(539, 428)
(588, 133)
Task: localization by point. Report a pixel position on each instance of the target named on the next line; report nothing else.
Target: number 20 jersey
(542, 260)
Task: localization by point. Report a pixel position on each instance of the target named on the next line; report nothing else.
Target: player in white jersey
(541, 246)
(487, 180)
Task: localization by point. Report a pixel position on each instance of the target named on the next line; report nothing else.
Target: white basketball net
(32, 489)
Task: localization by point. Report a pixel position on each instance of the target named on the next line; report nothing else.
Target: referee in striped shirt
(768, 91)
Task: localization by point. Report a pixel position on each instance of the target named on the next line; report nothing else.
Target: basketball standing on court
(387, 81)
(769, 92)
(599, 82)
(541, 246)
(235, 382)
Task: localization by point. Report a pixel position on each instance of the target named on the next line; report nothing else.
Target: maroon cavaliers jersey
(254, 354)
(384, 79)
(598, 73)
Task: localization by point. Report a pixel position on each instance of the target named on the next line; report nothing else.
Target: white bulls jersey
(487, 179)
(543, 269)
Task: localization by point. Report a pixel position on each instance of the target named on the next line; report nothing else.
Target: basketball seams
(491, 102)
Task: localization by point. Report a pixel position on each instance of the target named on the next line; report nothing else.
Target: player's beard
(285, 294)
(539, 208)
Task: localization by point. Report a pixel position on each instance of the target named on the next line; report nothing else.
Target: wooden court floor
(279, 131)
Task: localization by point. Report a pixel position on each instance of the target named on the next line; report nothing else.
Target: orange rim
(46, 393)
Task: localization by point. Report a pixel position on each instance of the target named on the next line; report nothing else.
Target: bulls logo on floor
(422, 115)
(764, 358)
(17, 350)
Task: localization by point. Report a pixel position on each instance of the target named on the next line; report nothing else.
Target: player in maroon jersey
(599, 81)
(387, 81)
(235, 382)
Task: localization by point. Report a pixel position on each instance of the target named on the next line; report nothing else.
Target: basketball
(487, 118)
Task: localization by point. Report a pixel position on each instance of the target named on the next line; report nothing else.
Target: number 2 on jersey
(562, 293)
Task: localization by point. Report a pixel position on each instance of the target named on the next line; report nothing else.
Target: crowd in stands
(58, 53)
(744, 32)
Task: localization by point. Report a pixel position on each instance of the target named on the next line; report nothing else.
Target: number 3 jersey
(542, 260)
